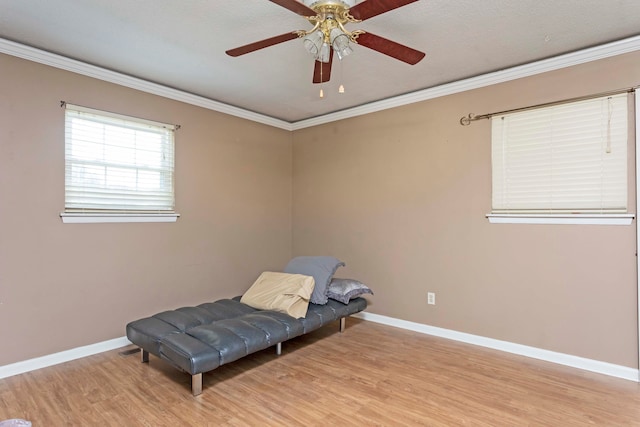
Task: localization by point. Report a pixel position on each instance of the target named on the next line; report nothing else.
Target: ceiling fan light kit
(329, 34)
(328, 30)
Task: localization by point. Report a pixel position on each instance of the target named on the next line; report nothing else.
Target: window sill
(589, 219)
(91, 218)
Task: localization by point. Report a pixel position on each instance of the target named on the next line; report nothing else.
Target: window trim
(584, 218)
(581, 219)
(94, 218)
(80, 216)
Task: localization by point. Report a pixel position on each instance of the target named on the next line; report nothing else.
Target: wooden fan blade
(295, 7)
(390, 48)
(322, 70)
(369, 9)
(251, 47)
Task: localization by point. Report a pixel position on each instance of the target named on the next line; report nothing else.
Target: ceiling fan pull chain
(321, 82)
(341, 87)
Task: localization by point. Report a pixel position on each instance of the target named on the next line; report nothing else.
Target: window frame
(122, 213)
(590, 218)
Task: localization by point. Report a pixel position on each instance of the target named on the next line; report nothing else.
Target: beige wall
(67, 285)
(401, 197)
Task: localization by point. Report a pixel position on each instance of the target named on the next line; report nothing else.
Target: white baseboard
(605, 368)
(63, 356)
(523, 350)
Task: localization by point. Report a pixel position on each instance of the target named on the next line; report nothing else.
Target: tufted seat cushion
(199, 339)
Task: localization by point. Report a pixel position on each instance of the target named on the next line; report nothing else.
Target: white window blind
(117, 164)
(568, 158)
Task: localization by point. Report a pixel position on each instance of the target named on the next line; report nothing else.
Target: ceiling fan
(329, 34)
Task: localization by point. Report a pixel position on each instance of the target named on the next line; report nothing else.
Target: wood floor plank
(370, 375)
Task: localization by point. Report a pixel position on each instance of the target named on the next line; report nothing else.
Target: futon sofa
(278, 306)
(202, 338)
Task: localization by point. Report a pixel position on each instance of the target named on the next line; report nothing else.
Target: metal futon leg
(196, 384)
(144, 356)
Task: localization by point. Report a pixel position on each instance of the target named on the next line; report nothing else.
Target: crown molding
(595, 53)
(619, 47)
(58, 61)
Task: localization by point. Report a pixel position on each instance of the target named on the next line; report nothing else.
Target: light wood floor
(369, 375)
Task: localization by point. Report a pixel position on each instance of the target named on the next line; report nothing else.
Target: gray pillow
(322, 268)
(344, 290)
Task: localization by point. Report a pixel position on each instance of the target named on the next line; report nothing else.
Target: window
(564, 159)
(117, 166)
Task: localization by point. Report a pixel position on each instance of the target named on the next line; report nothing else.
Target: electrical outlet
(431, 298)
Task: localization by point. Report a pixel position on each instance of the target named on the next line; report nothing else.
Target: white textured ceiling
(181, 44)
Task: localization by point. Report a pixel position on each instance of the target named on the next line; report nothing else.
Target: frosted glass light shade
(325, 53)
(340, 43)
(313, 43)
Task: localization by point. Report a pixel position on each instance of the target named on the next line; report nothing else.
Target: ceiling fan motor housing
(320, 3)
